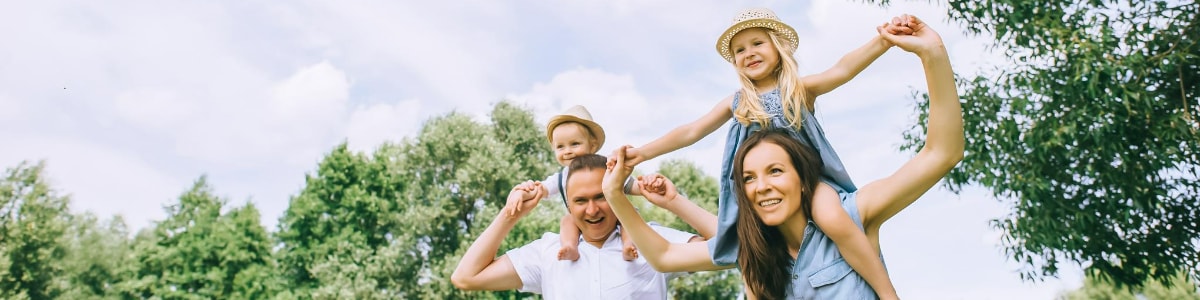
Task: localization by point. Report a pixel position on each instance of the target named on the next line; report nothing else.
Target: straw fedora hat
(750, 18)
(578, 114)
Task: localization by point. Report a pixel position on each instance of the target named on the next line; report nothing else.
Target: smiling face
(571, 140)
(755, 56)
(588, 207)
(771, 183)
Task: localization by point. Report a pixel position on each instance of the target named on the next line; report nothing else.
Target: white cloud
(153, 108)
(370, 126)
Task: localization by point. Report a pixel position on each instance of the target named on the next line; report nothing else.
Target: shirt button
(794, 276)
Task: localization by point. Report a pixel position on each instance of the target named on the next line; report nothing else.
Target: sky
(130, 102)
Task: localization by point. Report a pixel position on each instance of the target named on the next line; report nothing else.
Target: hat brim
(785, 31)
(596, 130)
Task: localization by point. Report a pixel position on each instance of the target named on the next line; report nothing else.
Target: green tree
(33, 220)
(97, 255)
(1090, 131)
(702, 189)
(1180, 287)
(198, 252)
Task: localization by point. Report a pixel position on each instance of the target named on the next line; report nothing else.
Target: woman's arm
(944, 141)
(663, 255)
(684, 135)
(660, 191)
(851, 241)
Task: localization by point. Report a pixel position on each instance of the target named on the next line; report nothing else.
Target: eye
(558, 147)
(739, 50)
(776, 171)
(575, 144)
(756, 43)
(747, 179)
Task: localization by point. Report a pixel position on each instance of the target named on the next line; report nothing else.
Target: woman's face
(771, 183)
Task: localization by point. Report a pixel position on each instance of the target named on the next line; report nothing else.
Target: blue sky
(131, 101)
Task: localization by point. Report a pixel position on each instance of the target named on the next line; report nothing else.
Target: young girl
(572, 134)
(780, 192)
(773, 95)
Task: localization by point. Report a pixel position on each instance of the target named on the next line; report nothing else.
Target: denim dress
(723, 248)
(820, 271)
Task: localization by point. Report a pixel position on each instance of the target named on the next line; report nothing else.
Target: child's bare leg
(569, 233)
(628, 249)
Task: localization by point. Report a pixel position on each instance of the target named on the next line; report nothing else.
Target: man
(600, 272)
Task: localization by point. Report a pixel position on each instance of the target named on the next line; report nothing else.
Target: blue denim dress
(820, 271)
(724, 247)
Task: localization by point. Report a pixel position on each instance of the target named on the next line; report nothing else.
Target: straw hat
(580, 115)
(750, 18)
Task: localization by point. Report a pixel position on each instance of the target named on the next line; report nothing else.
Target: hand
(922, 39)
(617, 171)
(523, 193)
(657, 189)
(633, 156)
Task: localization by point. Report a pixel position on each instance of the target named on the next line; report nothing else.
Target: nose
(591, 208)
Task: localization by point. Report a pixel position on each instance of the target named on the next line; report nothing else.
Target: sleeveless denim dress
(723, 248)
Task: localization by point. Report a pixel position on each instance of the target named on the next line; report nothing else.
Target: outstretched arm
(845, 69)
(944, 141)
(479, 268)
(662, 193)
(682, 136)
(663, 255)
(851, 241)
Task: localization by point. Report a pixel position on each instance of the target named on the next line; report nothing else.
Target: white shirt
(600, 273)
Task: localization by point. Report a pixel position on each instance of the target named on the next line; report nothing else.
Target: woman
(781, 254)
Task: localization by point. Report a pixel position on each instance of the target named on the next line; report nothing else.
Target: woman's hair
(763, 256)
(791, 88)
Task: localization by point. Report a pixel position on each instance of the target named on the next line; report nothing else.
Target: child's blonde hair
(791, 89)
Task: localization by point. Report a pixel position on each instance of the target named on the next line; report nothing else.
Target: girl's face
(754, 54)
(571, 140)
(772, 183)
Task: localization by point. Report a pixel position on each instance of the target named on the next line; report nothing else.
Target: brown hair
(763, 255)
(585, 162)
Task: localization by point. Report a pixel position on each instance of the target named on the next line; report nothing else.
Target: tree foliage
(199, 252)
(389, 224)
(1090, 131)
(33, 220)
(1094, 286)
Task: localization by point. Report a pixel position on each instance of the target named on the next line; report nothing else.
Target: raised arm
(479, 268)
(845, 69)
(684, 135)
(660, 191)
(851, 241)
(944, 142)
(663, 255)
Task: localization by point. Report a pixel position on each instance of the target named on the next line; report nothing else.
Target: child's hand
(530, 190)
(657, 189)
(617, 171)
(633, 156)
(922, 40)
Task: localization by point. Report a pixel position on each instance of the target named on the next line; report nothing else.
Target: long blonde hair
(791, 89)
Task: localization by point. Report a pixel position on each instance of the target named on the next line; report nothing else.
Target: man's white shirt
(600, 273)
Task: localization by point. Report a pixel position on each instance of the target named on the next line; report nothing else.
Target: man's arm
(479, 268)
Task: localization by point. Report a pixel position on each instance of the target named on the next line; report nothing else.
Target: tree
(1096, 287)
(33, 220)
(702, 189)
(96, 257)
(198, 252)
(1090, 132)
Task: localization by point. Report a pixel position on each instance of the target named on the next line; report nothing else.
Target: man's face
(589, 209)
